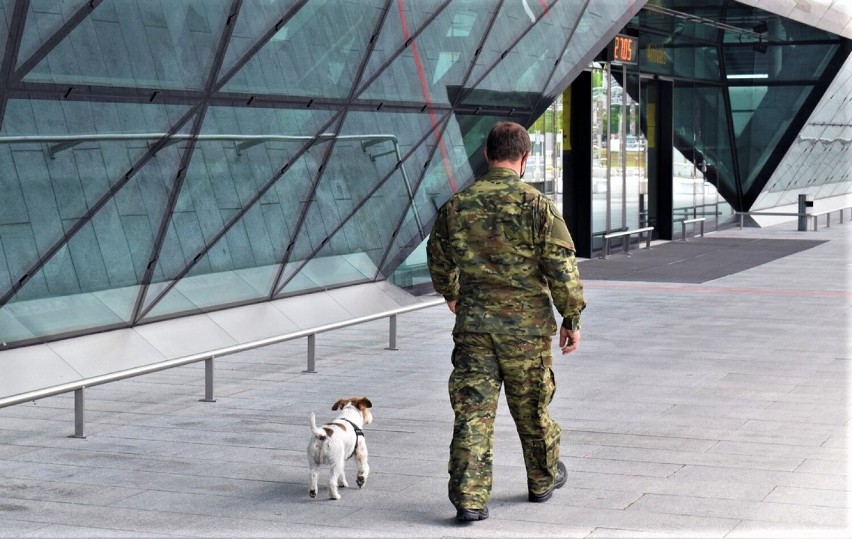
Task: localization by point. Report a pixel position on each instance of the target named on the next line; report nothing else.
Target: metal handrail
(80, 385)
(625, 234)
(813, 215)
(64, 142)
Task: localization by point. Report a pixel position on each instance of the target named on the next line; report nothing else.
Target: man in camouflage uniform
(499, 253)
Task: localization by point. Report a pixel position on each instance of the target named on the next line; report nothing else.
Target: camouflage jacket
(502, 250)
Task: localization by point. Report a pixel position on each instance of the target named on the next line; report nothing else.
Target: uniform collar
(501, 173)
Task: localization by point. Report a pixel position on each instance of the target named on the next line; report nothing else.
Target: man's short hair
(507, 141)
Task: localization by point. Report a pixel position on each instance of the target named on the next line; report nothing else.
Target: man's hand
(568, 340)
(452, 305)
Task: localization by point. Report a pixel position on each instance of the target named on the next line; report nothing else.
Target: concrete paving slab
(709, 409)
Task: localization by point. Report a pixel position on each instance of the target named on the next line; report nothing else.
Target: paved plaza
(716, 408)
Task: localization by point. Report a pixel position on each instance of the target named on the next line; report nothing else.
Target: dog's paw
(312, 494)
(335, 496)
(361, 480)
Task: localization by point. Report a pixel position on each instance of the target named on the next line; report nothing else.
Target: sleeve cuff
(571, 324)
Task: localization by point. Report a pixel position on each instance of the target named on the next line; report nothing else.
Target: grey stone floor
(691, 410)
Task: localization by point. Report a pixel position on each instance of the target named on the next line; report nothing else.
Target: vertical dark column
(577, 162)
(660, 134)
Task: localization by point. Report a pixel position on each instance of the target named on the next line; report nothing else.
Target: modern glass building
(160, 160)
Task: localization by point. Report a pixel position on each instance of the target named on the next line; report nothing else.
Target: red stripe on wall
(424, 88)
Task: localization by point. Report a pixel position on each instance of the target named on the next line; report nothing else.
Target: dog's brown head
(363, 405)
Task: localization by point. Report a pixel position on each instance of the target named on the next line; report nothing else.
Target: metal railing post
(208, 381)
(392, 333)
(79, 414)
(312, 348)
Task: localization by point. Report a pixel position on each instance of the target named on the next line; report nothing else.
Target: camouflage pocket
(548, 384)
(547, 360)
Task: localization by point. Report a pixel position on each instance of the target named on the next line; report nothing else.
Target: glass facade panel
(44, 18)
(59, 315)
(151, 169)
(766, 68)
(533, 57)
(364, 190)
(200, 214)
(6, 8)
(595, 15)
(135, 43)
(316, 53)
(255, 19)
(810, 165)
(704, 141)
(513, 20)
(404, 19)
(356, 249)
(59, 177)
(239, 268)
(619, 167)
(434, 77)
(761, 133)
(792, 63)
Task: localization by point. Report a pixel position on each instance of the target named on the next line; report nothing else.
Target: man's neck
(513, 165)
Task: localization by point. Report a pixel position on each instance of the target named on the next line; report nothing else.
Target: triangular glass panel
(402, 21)
(62, 299)
(355, 249)
(227, 173)
(316, 53)
(239, 268)
(43, 20)
(368, 150)
(96, 275)
(464, 139)
(53, 180)
(413, 229)
(254, 20)
(370, 145)
(163, 45)
(522, 72)
(433, 67)
(6, 9)
(759, 125)
(512, 21)
(597, 19)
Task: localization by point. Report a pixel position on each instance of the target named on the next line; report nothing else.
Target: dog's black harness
(358, 432)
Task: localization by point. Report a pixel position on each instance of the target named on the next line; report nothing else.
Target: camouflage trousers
(482, 363)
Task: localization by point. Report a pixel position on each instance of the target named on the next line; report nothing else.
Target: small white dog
(336, 442)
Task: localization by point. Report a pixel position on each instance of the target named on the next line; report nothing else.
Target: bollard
(804, 204)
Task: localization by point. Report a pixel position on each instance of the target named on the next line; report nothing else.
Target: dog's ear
(339, 404)
(365, 402)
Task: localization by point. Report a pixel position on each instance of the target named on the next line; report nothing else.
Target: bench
(699, 220)
(625, 239)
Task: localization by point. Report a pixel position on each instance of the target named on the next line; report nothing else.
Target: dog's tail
(319, 433)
